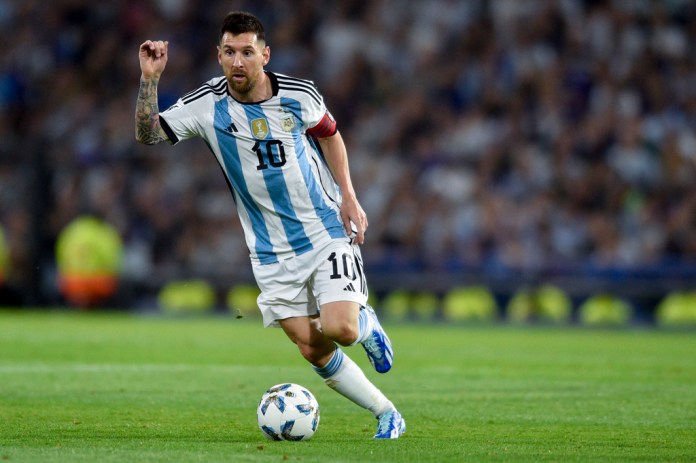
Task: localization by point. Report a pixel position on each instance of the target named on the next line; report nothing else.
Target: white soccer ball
(288, 411)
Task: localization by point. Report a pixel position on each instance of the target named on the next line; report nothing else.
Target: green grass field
(123, 388)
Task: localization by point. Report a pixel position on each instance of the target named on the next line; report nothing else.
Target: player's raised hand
(153, 58)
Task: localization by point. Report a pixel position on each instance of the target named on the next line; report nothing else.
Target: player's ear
(219, 55)
(266, 53)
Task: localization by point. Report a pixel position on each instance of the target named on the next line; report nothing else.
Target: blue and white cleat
(377, 345)
(391, 425)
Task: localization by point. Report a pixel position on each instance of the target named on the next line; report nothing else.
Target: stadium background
(496, 144)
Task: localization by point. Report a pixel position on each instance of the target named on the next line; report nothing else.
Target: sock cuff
(363, 327)
(332, 366)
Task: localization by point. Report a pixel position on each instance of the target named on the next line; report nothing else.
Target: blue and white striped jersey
(286, 197)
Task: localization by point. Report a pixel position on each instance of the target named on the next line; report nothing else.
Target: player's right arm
(153, 59)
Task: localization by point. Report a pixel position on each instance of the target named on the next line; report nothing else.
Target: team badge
(259, 127)
(287, 122)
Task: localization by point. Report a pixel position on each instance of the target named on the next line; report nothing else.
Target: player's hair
(239, 22)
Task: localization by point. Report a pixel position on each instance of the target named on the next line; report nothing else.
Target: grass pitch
(117, 388)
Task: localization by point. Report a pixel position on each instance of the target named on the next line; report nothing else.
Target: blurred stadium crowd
(497, 137)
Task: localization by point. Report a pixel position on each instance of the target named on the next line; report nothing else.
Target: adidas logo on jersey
(350, 288)
(231, 128)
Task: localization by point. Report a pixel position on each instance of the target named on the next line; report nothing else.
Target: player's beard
(242, 88)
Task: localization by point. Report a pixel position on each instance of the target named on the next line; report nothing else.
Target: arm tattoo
(147, 125)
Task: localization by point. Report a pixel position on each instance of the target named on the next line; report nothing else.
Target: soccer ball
(288, 412)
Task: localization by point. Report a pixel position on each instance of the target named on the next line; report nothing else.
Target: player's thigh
(339, 320)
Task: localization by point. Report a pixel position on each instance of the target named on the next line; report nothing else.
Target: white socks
(345, 377)
(365, 326)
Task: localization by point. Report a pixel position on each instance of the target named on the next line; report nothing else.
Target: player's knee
(342, 333)
(308, 352)
(316, 354)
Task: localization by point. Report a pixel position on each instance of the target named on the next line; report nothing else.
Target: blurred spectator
(88, 257)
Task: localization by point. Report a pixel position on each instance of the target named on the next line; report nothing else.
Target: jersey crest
(287, 122)
(259, 127)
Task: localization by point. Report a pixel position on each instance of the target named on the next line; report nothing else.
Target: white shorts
(298, 286)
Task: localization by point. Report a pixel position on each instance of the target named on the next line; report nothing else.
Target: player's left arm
(336, 156)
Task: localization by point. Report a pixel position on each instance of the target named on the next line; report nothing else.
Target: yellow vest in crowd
(88, 256)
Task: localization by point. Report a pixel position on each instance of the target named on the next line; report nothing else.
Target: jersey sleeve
(178, 122)
(325, 128)
(319, 121)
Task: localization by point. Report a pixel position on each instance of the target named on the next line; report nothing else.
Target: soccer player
(287, 168)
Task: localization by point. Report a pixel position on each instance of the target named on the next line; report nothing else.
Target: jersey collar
(274, 82)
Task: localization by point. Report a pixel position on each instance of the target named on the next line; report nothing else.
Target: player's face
(242, 58)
